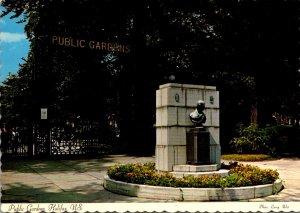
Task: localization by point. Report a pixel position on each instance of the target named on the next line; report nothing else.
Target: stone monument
(174, 122)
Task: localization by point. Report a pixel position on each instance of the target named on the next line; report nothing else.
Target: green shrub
(235, 180)
(241, 175)
(255, 139)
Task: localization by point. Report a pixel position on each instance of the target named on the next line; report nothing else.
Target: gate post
(45, 127)
(30, 139)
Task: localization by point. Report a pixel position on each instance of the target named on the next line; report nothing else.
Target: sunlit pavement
(81, 180)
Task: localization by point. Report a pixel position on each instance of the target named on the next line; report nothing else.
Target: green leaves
(239, 46)
(254, 139)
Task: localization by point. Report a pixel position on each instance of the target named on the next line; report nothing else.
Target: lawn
(247, 157)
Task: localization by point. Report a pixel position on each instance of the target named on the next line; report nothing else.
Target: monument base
(198, 146)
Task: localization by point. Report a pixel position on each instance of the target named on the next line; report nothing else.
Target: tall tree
(246, 48)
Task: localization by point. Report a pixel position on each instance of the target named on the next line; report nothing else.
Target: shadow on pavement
(62, 181)
(22, 193)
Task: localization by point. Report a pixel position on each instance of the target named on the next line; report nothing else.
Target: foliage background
(248, 49)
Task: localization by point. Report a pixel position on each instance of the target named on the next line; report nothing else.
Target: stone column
(174, 103)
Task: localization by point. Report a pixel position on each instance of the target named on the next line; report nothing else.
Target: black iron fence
(49, 140)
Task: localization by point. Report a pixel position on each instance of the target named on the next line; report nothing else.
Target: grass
(247, 157)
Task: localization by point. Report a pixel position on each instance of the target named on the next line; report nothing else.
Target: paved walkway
(55, 181)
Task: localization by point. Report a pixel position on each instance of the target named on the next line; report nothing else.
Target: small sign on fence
(44, 113)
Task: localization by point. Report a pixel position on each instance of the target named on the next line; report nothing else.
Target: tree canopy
(248, 49)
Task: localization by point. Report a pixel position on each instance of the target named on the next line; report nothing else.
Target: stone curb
(191, 194)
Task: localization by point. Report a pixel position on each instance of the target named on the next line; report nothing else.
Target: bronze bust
(197, 116)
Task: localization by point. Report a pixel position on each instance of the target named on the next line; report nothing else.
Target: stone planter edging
(191, 194)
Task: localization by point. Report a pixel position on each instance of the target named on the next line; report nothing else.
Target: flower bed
(145, 174)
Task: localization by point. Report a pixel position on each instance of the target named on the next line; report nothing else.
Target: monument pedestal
(198, 146)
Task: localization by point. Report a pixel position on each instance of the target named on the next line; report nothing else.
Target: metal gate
(14, 146)
(50, 140)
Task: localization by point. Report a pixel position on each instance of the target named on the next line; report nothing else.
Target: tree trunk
(253, 116)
